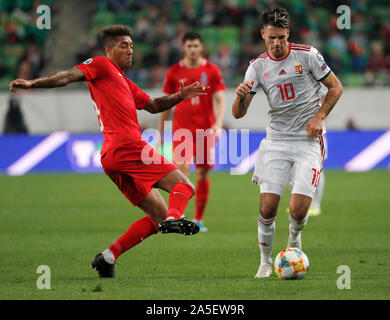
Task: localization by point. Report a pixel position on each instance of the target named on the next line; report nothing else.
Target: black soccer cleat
(105, 269)
(182, 226)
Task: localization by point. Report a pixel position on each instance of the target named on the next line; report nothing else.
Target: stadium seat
(104, 18)
(126, 18)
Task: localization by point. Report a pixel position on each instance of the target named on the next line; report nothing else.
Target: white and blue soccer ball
(291, 264)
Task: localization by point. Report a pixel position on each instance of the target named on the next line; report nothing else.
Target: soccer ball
(291, 264)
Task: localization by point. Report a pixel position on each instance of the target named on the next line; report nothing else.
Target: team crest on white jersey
(266, 75)
(298, 68)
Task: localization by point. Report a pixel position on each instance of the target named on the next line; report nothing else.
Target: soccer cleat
(265, 270)
(182, 226)
(294, 241)
(105, 269)
(314, 211)
(202, 228)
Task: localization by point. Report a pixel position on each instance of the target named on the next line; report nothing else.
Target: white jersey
(292, 88)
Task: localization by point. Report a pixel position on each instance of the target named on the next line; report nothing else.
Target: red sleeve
(169, 86)
(140, 98)
(217, 83)
(93, 67)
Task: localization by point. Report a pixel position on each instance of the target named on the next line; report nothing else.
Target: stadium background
(58, 132)
(360, 56)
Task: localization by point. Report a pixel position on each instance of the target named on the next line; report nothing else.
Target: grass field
(62, 221)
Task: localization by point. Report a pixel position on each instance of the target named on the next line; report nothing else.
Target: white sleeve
(317, 65)
(252, 74)
(323, 90)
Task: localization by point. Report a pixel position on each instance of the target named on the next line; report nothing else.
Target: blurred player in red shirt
(195, 114)
(125, 157)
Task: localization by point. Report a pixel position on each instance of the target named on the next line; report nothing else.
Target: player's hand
(244, 88)
(20, 83)
(193, 90)
(314, 127)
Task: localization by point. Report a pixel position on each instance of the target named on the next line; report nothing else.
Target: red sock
(138, 231)
(201, 197)
(178, 199)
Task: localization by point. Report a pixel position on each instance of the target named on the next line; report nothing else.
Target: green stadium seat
(143, 47)
(126, 18)
(230, 36)
(6, 5)
(104, 18)
(25, 5)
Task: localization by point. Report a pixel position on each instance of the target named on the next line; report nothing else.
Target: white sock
(317, 198)
(296, 226)
(108, 256)
(265, 231)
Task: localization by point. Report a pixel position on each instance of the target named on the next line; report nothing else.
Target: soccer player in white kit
(293, 150)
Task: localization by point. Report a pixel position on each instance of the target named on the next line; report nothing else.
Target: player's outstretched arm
(56, 79)
(243, 99)
(220, 109)
(160, 104)
(164, 116)
(335, 90)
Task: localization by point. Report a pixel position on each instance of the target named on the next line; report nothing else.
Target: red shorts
(189, 147)
(135, 168)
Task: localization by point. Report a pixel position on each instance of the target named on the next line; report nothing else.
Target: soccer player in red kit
(197, 113)
(116, 99)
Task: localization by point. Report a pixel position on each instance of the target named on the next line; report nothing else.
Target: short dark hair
(110, 33)
(191, 35)
(277, 17)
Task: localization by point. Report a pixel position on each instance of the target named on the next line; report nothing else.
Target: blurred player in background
(293, 150)
(197, 113)
(116, 99)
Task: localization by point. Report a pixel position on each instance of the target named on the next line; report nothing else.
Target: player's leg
(308, 160)
(272, 170)
(202, 195)
(315, 207)
(181, 191)
(269, 203)
(155, 208)
(299, 205)
(184, 168)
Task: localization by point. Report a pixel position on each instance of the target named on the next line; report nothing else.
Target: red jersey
(116, 99)
(197, 113)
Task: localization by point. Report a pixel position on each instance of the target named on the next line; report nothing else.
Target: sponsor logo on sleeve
(88, 61)
(324, 66)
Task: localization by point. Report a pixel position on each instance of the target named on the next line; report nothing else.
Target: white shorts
(298, 162)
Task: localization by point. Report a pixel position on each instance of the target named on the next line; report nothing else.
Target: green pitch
(62, 221)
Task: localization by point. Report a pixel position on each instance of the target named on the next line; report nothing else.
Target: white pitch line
(38, 153)
(371, 155)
